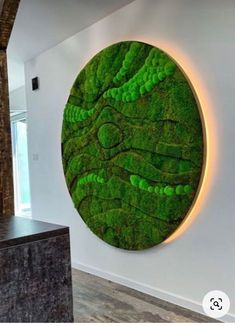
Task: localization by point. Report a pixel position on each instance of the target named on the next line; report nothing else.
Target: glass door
(20, 165)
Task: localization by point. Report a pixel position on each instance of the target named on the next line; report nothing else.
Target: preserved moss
(132, 145)
(109, 135)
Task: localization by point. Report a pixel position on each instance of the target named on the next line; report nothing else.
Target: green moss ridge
(125, 163)
(127, 62)
(167, 190)
(156, 68)
(115, 226)
(164, 208)
(157, 137)
(92, 177)
(73, 113)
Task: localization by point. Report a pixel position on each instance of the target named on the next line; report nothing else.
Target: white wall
(17, 99)
(16, 76)
(200, 36)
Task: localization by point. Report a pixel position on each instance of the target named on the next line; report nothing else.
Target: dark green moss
(109, 135)
(132, 145)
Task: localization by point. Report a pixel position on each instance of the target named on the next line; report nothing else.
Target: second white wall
(200, 36)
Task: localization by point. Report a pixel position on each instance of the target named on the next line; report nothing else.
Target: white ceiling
(41, 24)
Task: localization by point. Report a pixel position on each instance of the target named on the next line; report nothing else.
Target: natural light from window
(20, 165)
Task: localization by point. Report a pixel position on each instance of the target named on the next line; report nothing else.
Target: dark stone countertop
(16, 230)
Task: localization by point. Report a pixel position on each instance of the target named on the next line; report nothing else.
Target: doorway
(20, 164)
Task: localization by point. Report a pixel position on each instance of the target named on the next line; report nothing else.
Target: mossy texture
(132, 145)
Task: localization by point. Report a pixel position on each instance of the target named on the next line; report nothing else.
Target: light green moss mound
(132, 145)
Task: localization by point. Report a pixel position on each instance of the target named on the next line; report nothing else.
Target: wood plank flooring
(99, 300)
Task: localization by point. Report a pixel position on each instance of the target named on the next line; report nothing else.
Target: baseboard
(155, 292)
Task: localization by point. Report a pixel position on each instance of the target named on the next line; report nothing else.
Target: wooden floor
(99, 300)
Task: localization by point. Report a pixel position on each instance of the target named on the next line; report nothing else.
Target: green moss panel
(132, 145)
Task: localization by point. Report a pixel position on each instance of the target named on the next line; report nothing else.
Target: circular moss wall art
(132, 145)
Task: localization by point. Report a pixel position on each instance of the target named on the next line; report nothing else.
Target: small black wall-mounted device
(35, 83)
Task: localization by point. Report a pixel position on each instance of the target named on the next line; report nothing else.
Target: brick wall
(8, 9)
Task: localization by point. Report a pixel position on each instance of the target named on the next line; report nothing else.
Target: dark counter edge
(12, 232)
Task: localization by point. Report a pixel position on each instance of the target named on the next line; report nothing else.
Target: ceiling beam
(8, 10)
